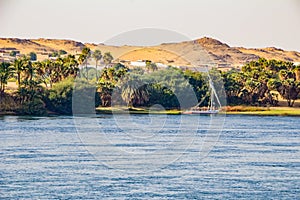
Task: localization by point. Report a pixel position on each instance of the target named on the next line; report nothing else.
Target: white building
(160, 65)
(296, 63)
(138, 63)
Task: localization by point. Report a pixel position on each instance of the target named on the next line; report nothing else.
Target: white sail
(212, 108)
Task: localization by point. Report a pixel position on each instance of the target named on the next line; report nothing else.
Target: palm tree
(297, 72)
(83, 58)
(59, 69)
(42, 72)
(70, 66)
(107, 58)
(134, 91)
(29, 71)
(49, 67)
(6, 72)
(287, 87)
(107, 82)
(19, 65)
(105, 89)
(97, 56)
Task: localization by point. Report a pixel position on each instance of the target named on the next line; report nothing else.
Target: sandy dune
(201, 50)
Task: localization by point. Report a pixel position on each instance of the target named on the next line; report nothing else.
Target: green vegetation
(13, 53)
(97, 55)
(150, 66)
(138, 88)
(32, 56)
(58, 53)
(36, 81)
(260, 82)
(5, 74)
(83, 60)
(54, 54)
(60, 97)
(47, 86)
(107, 58)
(62, 52)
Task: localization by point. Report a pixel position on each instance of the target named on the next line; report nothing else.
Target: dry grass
(269, 111)
(245, 109)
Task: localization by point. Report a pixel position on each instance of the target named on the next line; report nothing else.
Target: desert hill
(200, 51)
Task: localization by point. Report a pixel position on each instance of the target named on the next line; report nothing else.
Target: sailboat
(211, 109)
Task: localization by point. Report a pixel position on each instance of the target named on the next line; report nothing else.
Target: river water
(149, 157)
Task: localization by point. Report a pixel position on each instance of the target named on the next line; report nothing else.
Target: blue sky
(249, 23)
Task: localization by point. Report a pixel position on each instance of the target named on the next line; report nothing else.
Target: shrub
(60, 96)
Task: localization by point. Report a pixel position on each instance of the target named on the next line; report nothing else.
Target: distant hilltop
(219, 53)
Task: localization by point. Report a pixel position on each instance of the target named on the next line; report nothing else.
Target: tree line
(262, 82)
(47, 86)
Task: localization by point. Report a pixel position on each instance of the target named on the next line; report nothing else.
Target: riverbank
(233, 110)
(125, 110)
(263, 111)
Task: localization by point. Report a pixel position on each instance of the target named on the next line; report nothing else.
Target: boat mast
(211, 99)
(213, 92)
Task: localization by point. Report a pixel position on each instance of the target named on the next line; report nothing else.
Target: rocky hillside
(40, 45)
(200, 51)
